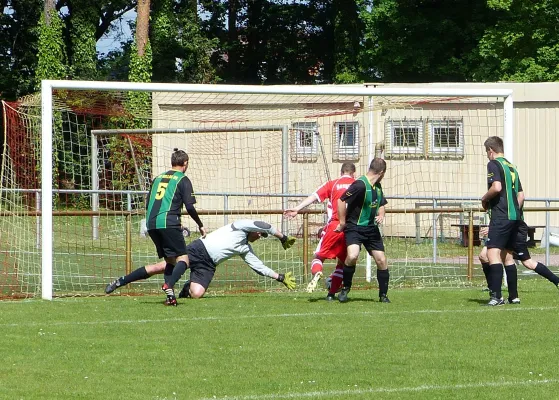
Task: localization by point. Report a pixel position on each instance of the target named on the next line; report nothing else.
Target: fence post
(128, 258)
(470, 272)
(305, 246)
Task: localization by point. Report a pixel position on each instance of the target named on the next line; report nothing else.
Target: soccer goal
(70, 228)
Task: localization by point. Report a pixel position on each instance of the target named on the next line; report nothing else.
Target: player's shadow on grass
(479, 301)
(323, 299)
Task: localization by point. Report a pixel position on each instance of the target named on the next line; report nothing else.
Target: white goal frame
(47, 87)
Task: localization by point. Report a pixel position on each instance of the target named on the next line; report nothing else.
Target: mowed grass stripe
(343, 313)
(422, 388)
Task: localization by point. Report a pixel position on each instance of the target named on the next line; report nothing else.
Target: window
(346, 141)
(404, 137)
(446, 138)
(304, 141)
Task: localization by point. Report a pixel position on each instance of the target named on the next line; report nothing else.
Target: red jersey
(332, 191)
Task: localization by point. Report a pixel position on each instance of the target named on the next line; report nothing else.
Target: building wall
(251, 162)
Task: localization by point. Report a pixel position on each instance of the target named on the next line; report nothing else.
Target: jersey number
(161, 190)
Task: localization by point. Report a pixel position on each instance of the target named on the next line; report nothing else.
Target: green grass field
(427, 344)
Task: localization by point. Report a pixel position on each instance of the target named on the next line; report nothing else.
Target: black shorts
(169, 242)
(368, 236)
(202, 267)
(521, 242)
(503, 234)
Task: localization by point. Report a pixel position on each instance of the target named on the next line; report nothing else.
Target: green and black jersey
(168, 192)
(363, 202)
(505, 204)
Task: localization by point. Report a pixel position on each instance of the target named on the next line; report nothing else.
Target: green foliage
(181, 51)
(138, 104)
(18, 47)
(140, 67)
(411, 41)
(52, 63)
(523, 44)
(128, 158)
(83, 50)
(347, 37)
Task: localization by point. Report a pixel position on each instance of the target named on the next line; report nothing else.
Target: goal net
(254, 151)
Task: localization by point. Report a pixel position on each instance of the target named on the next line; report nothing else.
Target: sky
(120, 33)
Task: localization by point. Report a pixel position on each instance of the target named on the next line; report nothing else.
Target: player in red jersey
(332, 244)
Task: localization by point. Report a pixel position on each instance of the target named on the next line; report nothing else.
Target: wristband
(280, 278)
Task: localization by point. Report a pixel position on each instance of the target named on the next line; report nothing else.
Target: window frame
(446, 152)
(394, 150)
(304, 153)
(344, 152)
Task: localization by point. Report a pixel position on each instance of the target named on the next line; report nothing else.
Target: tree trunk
(50, 6)
(232, 39)
(142, 26)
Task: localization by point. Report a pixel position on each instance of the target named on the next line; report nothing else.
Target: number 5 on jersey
(161, 190)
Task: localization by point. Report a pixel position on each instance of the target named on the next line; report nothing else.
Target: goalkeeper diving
(205, 254)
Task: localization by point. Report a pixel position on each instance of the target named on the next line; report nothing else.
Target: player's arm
(258, 266)
(342, 214)
(520, 196)
(494, 180)
(292, 212)
(248, 225)
(196, 218)
(380, 216)
(352, 191)
(520, 199)
(381, 211)
(189, 200)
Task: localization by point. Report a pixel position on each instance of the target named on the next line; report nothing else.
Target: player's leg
(136, 275)
(201, 276)
(316, 271)
(175, 255)
(202, 270)
(383, 275)
(142, 272)
(336, 279)
(485, 265)
(499, 237)
(375, 248)
(512, 279)
(524, 256)
(323, 252)
(332, 245)
(353, 241)
(542, 270)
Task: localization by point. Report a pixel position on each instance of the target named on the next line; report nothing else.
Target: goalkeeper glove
(287, 241)
(288, 280)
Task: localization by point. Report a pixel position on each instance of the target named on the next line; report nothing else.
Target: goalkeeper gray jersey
(232, 240)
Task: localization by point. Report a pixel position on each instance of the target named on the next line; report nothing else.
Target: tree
(423, 40)
(18, 47)
(523, 45)
(182, 52)
(52, 61)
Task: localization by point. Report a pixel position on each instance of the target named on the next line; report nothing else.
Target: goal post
(357, 122)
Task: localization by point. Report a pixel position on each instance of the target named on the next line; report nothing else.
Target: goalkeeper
(206, 253)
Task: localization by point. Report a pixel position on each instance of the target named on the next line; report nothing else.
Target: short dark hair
(378, 165)
(348, 168)
(178, 158)
(494, 143)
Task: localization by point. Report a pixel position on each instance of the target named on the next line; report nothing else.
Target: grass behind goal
(427, 344)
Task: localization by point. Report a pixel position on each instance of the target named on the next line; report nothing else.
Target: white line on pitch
(422, 388)
(263, 316)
